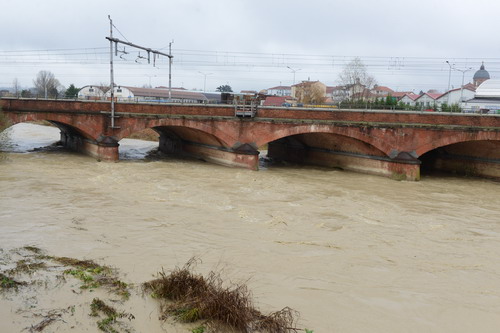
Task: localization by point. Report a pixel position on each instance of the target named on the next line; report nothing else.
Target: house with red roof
(409, 98)
(428, 100)
(380, 92)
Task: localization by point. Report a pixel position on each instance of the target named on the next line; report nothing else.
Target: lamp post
(293, 70)
(463, 71)
(205, 80)
(449, 81)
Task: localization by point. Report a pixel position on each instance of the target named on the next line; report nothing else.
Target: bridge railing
(247, 108)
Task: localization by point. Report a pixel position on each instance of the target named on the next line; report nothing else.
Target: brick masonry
(378, 142)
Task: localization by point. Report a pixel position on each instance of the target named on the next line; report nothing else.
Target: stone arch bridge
(394, 144)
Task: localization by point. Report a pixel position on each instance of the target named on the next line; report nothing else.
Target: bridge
(395, 144)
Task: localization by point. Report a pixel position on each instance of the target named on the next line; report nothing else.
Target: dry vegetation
(214, 306)
(192, 297)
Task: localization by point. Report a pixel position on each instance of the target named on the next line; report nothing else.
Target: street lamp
(205, 80)
(463, 75)
(293, 70)
(449, 81)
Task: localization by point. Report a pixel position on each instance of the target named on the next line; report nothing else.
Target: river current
(350, 252)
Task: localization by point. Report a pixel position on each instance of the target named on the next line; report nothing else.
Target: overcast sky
(251, 44)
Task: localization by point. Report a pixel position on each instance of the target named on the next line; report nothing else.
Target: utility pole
(462, 86)
(149, 51)
(111, 76)
(170, 71)
(449, 81)
(205, 80)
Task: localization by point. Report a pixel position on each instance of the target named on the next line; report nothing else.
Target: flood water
(350, 252)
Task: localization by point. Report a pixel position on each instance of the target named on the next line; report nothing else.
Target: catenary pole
(112, 83)
(148, 50)
(170, 71)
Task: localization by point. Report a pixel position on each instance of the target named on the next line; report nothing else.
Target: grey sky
(250, 43)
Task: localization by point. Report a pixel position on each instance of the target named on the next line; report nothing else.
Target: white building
(92, 92)
(409, 98)
(427, 100)
(456, 96)
(134, 94)
(486, 99)
(280, 91)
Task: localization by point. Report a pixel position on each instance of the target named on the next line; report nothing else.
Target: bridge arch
(63, 122)
(186, 129)
(478, 155)
(436, 141)
(362, 135)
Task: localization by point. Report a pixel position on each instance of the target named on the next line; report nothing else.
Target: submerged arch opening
(479, 158)
(328, 150)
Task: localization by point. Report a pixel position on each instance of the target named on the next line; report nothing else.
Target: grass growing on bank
(98, 307)
(7, 282)
(191, 297)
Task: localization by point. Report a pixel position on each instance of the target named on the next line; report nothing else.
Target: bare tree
(356, 80)
(16, 87)
(46, 84)
(310, 93)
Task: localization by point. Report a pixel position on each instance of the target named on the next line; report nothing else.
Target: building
(427, 100)
(279, 101)
(455, 96)
(309, 92)
(134, 94)
(480, 76)
(248, 92)
(280, 91)
(486, 99)
(335, 94)
(92, 92)
(380, 92)
(409, 98)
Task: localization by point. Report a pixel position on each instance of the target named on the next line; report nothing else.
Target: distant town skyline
(250, 45)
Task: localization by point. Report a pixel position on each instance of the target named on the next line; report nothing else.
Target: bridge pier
(403, 167)
(243, 157)
(105, 148)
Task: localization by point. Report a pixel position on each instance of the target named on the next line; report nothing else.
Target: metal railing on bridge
(245, 108)
(248, 108)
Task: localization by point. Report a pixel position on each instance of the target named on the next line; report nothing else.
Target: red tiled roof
(382, 88)
(412, 96)
(329, 90)
(275, 100)
(431, 95)
(399, 94)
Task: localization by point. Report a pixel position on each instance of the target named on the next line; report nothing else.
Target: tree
(310, 92)
(46, 84)
(72, 91)
(26, 93)
(16, 87)
(356, 80)
(224, 88)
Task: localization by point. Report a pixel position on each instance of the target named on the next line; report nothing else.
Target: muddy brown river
(350, 252)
